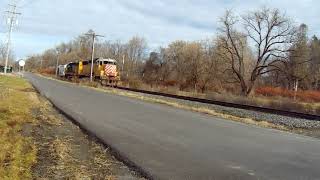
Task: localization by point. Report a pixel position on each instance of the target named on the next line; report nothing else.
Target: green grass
(17, 153)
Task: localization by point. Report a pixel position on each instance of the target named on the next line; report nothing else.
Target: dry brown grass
(61, 150)
(281, 103)
(70, 152)
(47, 117)
(67, 166)
(17, 153)
(64, 151)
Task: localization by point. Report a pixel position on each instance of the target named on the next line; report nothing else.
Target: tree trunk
(249, 91)
(296, 86)
(246, 89)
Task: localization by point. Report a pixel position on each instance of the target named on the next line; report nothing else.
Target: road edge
(114, 151)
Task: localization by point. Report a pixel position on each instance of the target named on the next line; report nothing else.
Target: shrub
(305, 96)
(135, 83)
(170, 83)
(49, 70)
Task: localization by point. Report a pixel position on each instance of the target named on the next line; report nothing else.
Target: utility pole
(57, 64)
(58, 50)
(123, 63)
(12, 17)
(94, 36)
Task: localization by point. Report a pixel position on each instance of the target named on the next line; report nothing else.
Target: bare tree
(299, 59)
(315, 62)
(272, 35)
(166, 68)
(175, 56)
(211, 75)
(151, 69)
(194, 64)
(136, 52)
(2, 53)
(232, 46)
(33, 63)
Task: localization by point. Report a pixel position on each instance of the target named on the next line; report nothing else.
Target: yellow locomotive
(104, 70)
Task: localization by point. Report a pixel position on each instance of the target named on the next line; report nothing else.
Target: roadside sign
(22, 63)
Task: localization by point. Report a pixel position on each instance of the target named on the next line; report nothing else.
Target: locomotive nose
(111, 70)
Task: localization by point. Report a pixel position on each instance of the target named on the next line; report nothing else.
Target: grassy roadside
(17, 153)
(67, 152)
(39, 143)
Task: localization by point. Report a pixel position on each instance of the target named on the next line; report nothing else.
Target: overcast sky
(45, 23)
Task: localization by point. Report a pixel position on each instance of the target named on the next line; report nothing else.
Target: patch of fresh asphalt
(170, 143)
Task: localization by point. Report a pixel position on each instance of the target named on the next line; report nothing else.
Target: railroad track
(293, 114)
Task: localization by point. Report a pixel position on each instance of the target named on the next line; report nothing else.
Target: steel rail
(268, 110)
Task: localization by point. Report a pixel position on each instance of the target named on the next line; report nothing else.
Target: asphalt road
(171, 143)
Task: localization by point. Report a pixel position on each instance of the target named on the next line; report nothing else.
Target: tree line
(3, 55)
(258, 48)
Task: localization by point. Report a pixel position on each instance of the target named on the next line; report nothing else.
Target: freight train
(104, 70)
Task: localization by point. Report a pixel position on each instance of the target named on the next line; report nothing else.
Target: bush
(50, 71)
(170, 83)
(135, 83)
(305, 96)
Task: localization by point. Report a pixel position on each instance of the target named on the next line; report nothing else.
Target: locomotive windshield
(110, 62)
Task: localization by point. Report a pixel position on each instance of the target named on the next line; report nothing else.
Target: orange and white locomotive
(104, 70)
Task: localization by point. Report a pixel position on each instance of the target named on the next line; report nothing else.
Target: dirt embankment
(66, 152)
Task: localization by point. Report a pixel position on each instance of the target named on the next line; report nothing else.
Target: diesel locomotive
(104, 70)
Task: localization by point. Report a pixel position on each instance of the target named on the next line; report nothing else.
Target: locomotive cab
(106, 70)
(71, 70)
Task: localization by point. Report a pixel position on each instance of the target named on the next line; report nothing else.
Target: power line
(12, 18)
(27, 4)
(94, 36)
